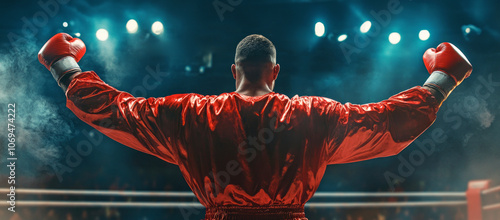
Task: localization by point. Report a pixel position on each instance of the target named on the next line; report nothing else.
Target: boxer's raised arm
(60, 55)
(148, 125)
(362, 132)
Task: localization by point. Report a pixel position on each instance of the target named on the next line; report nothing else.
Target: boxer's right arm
(362, 132)
(448, 67)
(382, 129)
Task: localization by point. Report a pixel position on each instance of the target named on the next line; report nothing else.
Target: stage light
(471, 32)
(342, 37)
(157, 28)
(132, 26)
(65, 24)
(319, 29)
(424, 35)
(102, 34)
(202, 69)
(187, 68)
(394, 38)
(77, 34)
(365, 27)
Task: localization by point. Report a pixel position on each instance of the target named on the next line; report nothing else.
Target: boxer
(254, 153)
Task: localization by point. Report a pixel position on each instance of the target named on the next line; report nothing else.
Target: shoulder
(194, 99)
(312, 100)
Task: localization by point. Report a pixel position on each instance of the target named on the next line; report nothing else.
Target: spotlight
(319, 29)
(202, 69)
(187, 68)
(424, 35)
(157, 28)
(65, 24)
(77, 34)
(342, 37)
(102, 34)
(471, 32)
(132, 26)
(365, 27)
(394, 38)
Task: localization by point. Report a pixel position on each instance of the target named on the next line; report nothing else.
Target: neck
(253, 89)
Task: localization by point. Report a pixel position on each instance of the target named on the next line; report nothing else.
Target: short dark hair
(255, 48)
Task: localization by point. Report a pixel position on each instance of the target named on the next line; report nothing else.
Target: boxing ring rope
(101, 193)
(198, 205)
(492, 207)
(491, 190)
(472, 199)
(389, 194)
(190, 194)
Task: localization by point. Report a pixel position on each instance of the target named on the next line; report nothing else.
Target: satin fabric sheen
(264, 153)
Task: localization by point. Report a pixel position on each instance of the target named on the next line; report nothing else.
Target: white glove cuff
(62, 67)
(441, 82)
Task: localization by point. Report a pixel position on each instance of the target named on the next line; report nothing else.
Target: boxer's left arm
(147, 125)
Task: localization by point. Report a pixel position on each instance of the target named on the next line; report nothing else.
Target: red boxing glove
(448, 59)
(60, 55)
(448, 67)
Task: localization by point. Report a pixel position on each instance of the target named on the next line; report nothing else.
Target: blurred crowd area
(141, 172)
(161, 184)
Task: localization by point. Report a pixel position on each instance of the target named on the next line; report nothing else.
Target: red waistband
(252, 213)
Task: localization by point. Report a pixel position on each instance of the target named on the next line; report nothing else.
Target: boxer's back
(238, 150)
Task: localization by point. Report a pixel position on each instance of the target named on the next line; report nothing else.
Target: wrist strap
(62, 67)
(441, 82)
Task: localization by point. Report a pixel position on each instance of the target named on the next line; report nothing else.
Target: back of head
(254, 54)
(255, 48)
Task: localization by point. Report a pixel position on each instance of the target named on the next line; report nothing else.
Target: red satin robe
(252, 157)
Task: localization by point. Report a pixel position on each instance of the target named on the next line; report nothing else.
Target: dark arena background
(356, 51)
